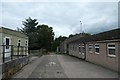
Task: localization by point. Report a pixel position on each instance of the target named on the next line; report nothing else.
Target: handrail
(14, 52)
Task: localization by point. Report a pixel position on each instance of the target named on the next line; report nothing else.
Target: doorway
(7, 43)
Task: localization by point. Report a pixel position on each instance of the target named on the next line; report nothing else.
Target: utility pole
(81, 27)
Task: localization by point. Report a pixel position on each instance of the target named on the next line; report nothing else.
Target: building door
(7, 43)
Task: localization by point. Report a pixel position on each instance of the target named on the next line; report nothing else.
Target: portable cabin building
(102, 48)
(8, 38)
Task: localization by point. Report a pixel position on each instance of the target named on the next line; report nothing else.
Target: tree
(30, 30)
(83, 34)
(57, 42)
(30, 25)
(45, 36)
(71, 35)
(40, 36)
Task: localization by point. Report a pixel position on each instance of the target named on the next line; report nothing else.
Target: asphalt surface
(0, 71)
(0, 67)
(63, 66)
(49, 68)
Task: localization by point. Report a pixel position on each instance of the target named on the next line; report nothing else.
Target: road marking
(52, 63)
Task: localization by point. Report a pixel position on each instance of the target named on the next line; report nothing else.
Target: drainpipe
(85, 50)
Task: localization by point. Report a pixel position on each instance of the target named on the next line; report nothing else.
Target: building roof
(107, 35)
(12, 32)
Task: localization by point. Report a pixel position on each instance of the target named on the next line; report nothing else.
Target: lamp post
(81, 27)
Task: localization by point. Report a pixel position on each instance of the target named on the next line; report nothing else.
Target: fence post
(29, 52)
(22, 51)
(18, 52)
(3, 53)
(25, 51)
(12, 52)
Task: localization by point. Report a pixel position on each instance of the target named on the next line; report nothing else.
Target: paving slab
(49, 68)
(26, 71)
(78, 68)
(63, 66)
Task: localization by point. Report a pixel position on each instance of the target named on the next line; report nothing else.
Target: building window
(79, 48)
(83, 48)
(90, 48)
(111, 49)
(7, 43)
(26, 43)
(19, 42)
(97, 48)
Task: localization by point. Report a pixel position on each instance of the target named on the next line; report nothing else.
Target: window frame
(90, 50)
(108, 47)
(7, 41)
(19, 42)
(96, 48)
(83, 48)
(26, 43)
(79, 48)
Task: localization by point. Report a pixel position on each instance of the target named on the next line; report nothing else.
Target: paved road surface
(63, 66)
(49, 68)
(0, 71)
(0, 67)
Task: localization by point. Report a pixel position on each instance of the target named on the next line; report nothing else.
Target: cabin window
(7, 43)
(26, 43)
(97, 48)
(111, 49)
(83, 47)
(19, 42)
(90, 48)
(79, 48)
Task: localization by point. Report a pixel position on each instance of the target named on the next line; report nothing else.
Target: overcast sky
(63, 16)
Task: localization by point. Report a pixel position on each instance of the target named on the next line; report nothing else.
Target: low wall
(39, 52)
(11, 67)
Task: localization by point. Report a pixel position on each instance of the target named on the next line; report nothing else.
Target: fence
(39, 52)
(10, 52)
(13, 58)
(11, 67)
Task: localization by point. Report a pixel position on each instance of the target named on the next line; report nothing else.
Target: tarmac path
(63, 66)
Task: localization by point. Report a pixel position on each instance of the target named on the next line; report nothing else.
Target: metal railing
(10, 52)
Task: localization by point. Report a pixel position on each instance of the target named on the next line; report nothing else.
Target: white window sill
(97, 53)
(112, 56)
(82, 53)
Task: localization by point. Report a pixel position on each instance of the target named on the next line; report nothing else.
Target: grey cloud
(63, 17)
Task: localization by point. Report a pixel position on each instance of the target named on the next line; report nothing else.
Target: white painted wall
(0, 48)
